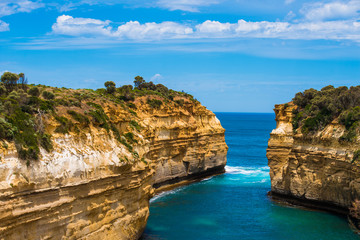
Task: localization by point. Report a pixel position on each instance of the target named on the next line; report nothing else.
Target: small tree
(22, 81)
(34, 91)
(10, 80)
(138, 81)
(110, 87)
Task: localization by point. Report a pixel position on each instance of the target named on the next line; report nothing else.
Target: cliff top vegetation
(25, 110)
(316, 109)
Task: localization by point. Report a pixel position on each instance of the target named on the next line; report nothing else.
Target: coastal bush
(180, 102)
(46, 105)
(9, 80)
(45, 141)
(34, 91)
(131, 105)
(147, 85)
(316, 109)
(25, 110)
(6, 130)
(138, 81)
(154, 103)
(127, 97)
(26, 135)
(65, 124)
(130, 137)
(84, 120)
(162, 89)
(48, 95)
(135, 124)
(110, 87)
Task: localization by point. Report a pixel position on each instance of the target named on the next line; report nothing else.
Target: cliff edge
(83, 164)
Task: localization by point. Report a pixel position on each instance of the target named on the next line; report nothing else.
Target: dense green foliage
(110, 87)
(25, 110)
(10, 80)
(316, 109)
(154, 103)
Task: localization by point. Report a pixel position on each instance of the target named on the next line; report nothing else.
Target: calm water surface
(234, 205)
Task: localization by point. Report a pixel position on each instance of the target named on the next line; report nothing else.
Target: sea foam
(247, 170)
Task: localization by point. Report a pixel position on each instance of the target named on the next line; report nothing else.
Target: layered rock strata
(317, 168)
(90, 186)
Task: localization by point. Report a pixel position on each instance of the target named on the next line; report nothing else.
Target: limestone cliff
(319, 167)
(93, 184)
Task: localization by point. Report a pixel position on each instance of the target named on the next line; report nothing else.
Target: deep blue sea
(235, 205)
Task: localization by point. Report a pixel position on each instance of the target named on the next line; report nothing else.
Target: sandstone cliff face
(92, 187)
(317, 168)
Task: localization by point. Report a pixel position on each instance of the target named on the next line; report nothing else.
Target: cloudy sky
(232, 55)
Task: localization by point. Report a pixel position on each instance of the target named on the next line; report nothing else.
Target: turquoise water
(234, 205)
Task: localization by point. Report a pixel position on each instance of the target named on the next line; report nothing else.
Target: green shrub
(131, 105)
(350, 134)
(65, 125)
(180, 102)
(46, 105)
(48, 95)
(135, 125)
(349, 117)
(26, 135)
(100, 118)
(110, 87)
(62, 102)
(84, 120)
(45, 142)
(34, 91)
(132, 112)
(6, 130)
(316, 109)
(154, 103)
(130, 137)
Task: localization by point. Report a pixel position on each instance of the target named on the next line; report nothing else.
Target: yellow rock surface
(84, 189)
(317, 168)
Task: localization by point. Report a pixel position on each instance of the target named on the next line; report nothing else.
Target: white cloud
(4, 26)
(134, 31)
(332, 10)
(67, 25)
(150, 31)
(289, 1)
(213, 27)
(185, 5)
(156, 77)
(9, 7)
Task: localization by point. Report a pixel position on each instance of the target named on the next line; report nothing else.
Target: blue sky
(232, 55)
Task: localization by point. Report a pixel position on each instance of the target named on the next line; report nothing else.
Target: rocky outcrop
(317, 168)
(90, 186)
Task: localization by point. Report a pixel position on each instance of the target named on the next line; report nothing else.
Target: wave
(247, 170)
(248, 175)
(163, 194)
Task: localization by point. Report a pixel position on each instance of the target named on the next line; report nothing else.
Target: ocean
(235, 205)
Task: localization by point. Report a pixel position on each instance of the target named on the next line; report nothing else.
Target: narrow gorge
(106, 157)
